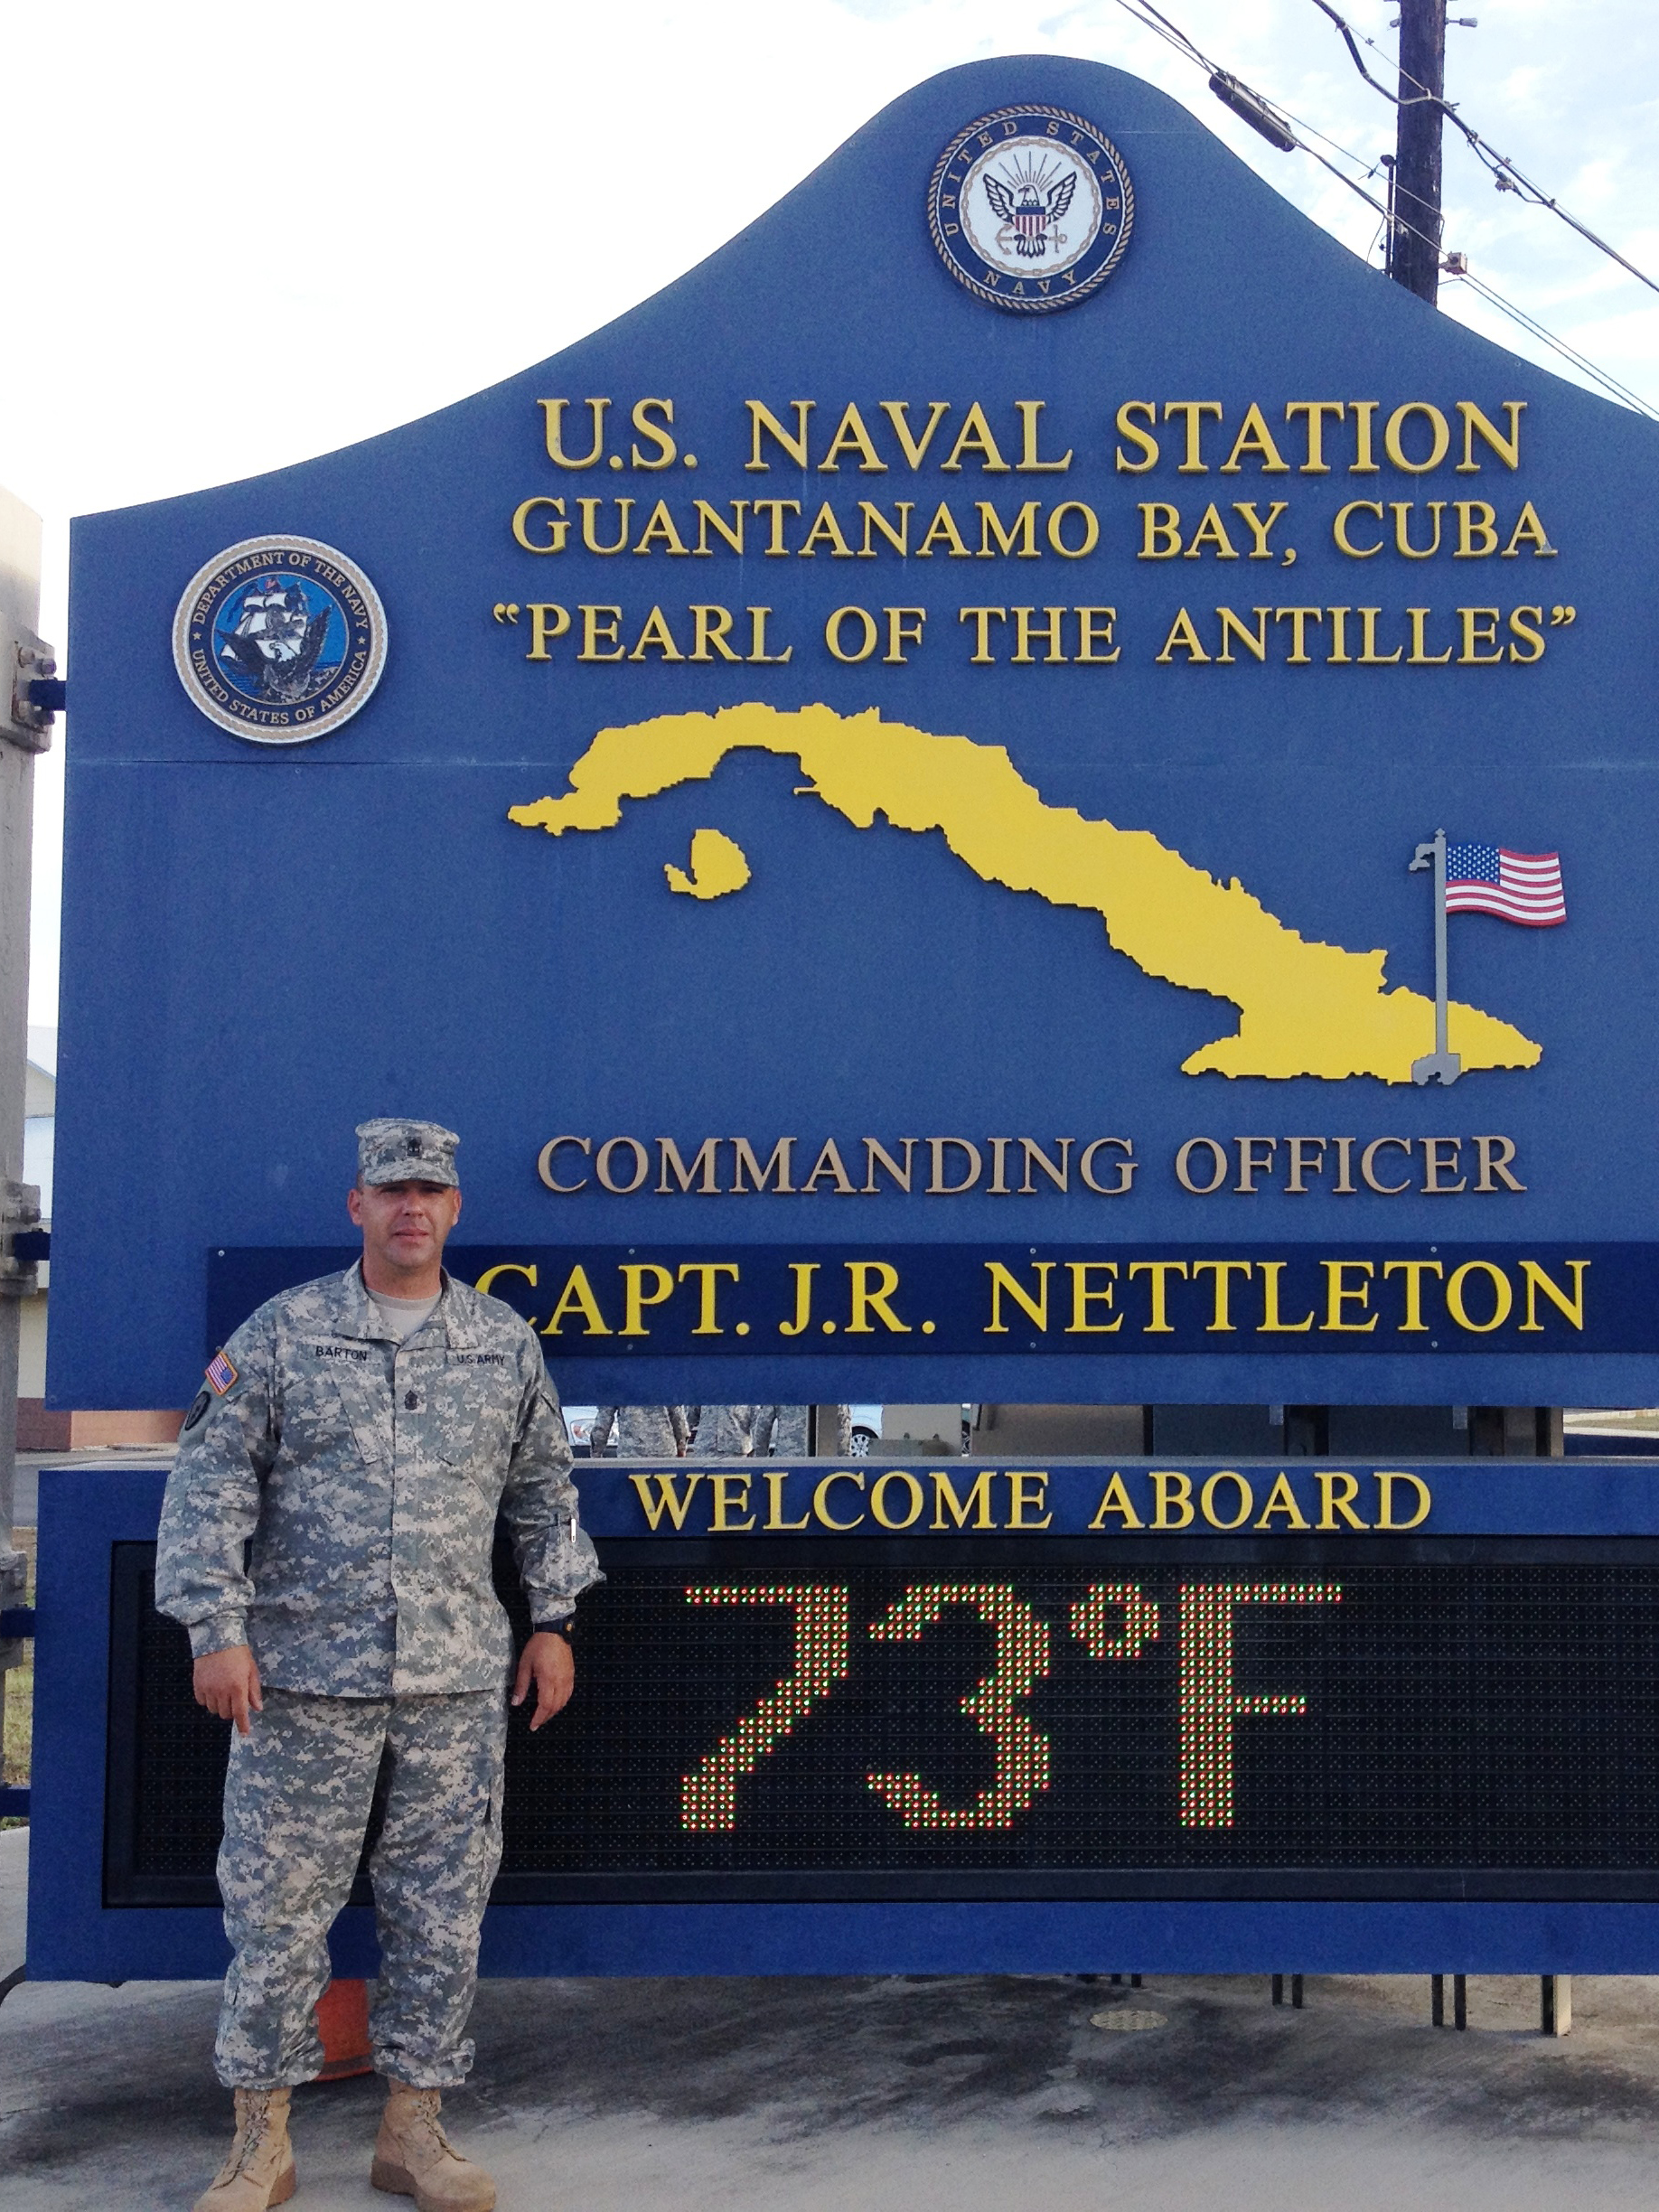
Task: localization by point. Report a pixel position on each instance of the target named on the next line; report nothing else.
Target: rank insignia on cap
(390, 1149)
(220, 1374)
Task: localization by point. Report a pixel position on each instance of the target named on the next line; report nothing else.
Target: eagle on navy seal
(1030, 208)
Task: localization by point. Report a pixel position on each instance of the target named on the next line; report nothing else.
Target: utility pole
(1415, 260)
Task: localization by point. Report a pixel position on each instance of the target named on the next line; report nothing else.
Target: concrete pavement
(980, 2095)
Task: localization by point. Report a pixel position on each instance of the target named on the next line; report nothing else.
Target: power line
(1528, 323)
(1502, 171)
(1149, 18)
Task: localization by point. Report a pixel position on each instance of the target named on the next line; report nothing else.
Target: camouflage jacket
(366, 1476)
(642, 1432)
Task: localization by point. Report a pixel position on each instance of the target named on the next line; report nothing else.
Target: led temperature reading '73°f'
(997, 1706)
(708, 1793)
(1209, 1704)
(1137, 1621)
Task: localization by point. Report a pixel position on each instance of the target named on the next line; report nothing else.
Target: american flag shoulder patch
(220, 1374)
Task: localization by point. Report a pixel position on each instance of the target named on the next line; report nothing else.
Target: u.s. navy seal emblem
(280, 640)
(1031, 208)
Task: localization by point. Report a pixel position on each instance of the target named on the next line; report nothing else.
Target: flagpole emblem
(1442, 1065)
(1471, 877)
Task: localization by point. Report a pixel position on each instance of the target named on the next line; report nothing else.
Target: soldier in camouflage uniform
(642, 1432)
(780, 1432)
(724, 1431)
(361, 1434)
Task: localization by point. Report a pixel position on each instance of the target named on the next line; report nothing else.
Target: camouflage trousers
(298, 1794)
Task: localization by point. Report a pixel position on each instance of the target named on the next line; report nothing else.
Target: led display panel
(1028, 1717)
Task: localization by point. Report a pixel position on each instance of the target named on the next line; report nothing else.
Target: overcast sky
(236, 237)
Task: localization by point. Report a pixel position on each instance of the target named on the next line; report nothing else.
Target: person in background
(642, 1432)
(724, 1431)
(780, 1432)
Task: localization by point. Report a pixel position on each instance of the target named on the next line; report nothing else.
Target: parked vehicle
(866, 1430)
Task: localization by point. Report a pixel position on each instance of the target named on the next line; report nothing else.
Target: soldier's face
(404, 1224)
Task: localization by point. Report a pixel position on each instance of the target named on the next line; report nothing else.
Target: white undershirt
(403, 1316)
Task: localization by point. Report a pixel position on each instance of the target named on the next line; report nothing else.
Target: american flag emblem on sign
(220, 1374)
(1524, 887)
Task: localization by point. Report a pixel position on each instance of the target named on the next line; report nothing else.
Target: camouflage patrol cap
(393, 1150)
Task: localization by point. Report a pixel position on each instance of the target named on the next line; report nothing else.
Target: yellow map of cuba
(1304, 1008)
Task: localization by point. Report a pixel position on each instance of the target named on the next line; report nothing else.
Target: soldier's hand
(228, 1683)
(547, 1662)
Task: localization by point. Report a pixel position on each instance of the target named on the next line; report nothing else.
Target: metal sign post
(25, 729)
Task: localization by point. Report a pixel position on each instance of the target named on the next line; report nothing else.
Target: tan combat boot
(414, 2158)
(259, 2170)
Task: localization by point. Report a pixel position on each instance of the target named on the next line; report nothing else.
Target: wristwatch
(565, 1626)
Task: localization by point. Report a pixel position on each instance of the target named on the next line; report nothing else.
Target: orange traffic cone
(342, 2023)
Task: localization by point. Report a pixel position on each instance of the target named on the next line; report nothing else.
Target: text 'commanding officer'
(361, 1433)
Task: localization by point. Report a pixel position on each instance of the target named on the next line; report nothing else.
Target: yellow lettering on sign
(763, 423)
(1338, 1492)
(1036, 1306)
(1340, 1294)
(852, 437)
(1115, 1499)
(915, 448)
(660, 531)
(1130, 417)
(1507, 449)
(871, 1287)
(578, 1298)
(1172, 1499)
(557, 528)
(1255, 437)
(548, 622)
(1385, 1501)
(775, 1482)
(977, 437)
(977, 1502)
(707, 1272)
(731, 1495)
(1028, 1495)
(661, 1496)
(1281, 1500)
(636, 1298)
(664, 450)
(820, 1508)
(1570, 1303)
(553, 413)
(879, 1499)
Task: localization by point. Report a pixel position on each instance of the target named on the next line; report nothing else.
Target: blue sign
(971, 1719)
(857, 769)
(632, 1304)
